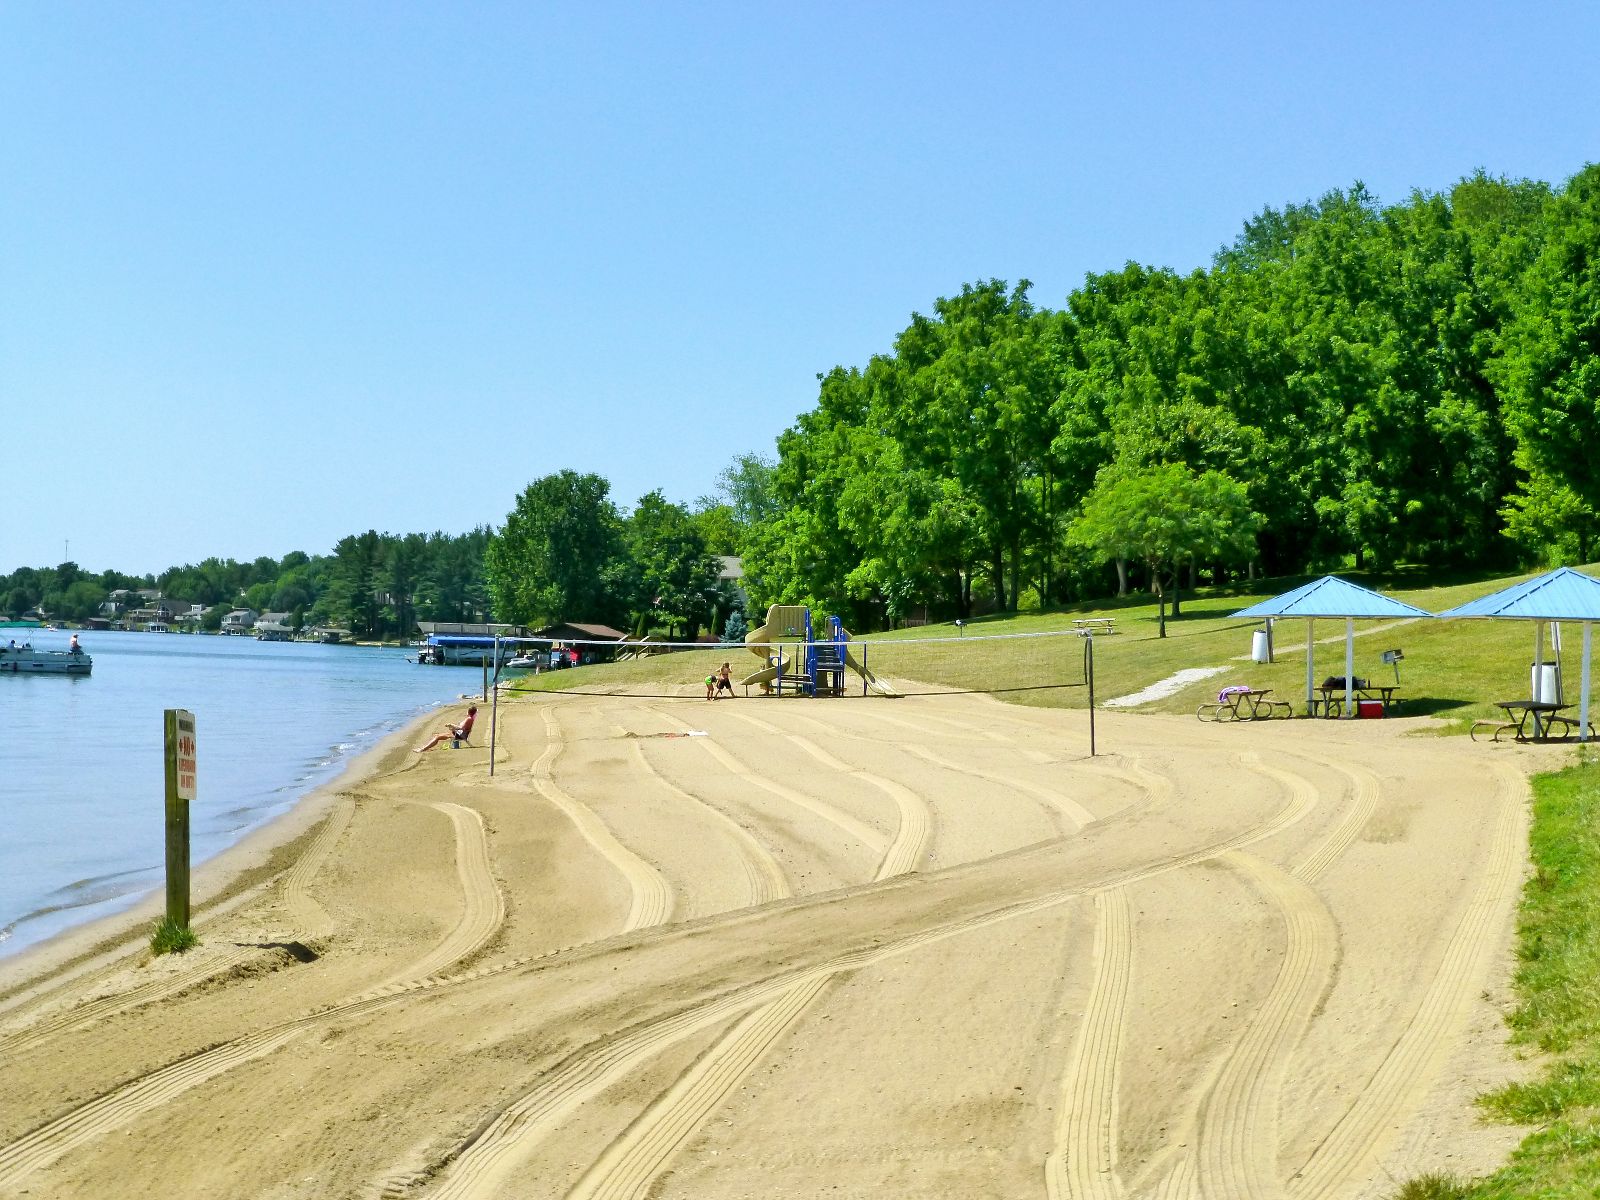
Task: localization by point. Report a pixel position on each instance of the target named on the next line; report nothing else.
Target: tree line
(377, 585)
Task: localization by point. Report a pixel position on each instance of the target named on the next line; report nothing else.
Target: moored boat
(25, 660)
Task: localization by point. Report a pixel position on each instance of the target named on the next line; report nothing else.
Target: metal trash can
(1258, 647)
(1546, 683)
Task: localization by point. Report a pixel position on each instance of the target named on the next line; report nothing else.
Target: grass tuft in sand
(169, 937)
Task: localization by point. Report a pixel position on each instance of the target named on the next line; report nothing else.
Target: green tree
(353, 595)
(1549, 362)
(548, 561)
(82, 599)
(1165, 517)
(674, 574)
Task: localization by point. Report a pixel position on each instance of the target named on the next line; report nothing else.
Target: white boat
(525, 662)
(25, 660)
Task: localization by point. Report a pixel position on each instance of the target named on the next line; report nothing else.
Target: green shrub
(171, 938)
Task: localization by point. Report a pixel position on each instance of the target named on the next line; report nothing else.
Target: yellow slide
(764, 677)
(873, 682)
(785, 622)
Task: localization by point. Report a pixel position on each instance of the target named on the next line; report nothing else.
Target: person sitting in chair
(457, 733)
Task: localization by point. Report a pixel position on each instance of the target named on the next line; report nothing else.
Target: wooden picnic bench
(1544, 716)
(1095, 624)
(1329, 701)
(1246, 705)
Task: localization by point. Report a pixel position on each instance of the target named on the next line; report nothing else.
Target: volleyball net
(859, 666)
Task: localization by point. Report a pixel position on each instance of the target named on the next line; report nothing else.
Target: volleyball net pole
(1088, 673)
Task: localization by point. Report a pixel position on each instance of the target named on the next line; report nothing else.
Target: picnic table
(1244, 704)
(1095, 625)
(1329, 700)
(1543, 715)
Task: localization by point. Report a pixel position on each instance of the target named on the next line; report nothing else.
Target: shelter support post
(1349, 667)
(1583, 692)
(1311, 678)
(1538, 659)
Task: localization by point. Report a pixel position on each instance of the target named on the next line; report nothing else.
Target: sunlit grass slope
(1451, 669)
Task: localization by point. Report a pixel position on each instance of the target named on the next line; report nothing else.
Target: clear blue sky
(275, 273)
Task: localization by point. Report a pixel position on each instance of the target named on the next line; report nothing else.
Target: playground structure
(797, 659)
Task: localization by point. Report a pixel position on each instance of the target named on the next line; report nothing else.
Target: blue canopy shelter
(1333, 597)
(1559, 595)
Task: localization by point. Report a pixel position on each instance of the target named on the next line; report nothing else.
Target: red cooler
(1368, 710)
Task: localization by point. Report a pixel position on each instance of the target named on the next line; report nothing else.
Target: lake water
(81, 768)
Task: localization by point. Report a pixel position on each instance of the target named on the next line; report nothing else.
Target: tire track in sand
(1238, 1152)
(635, 1159)
(1062, 805)
(1058, 804)
(650, 894)
(483, 911)
(856, 829)
(915, 828)
(483, 905)
(628, 1166)
(1244, 1087)
(480, 1167)
(311, 916)
(1352, 1147)
(1084, 1161)
(764, 878)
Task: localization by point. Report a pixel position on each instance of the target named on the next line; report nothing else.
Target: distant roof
(732, 566)
(474, 628)
(579, 630)
(1331, 596)
(1559, 595)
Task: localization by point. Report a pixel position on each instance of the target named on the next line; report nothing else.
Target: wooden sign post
(180, 759)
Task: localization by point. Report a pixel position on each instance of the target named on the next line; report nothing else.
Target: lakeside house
(239, 621)
(583, 632)
(274, 627)
(157, 615)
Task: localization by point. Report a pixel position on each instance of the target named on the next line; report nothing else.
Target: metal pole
(494, 708)
(1349, 667)
(1583, 694)
(1088, 670)
(1311, 678)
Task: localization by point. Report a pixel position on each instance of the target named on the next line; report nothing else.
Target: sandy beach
(913, 948)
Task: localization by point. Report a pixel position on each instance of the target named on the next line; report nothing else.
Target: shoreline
(222, 882)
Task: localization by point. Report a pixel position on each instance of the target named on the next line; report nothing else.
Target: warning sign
(185, 754)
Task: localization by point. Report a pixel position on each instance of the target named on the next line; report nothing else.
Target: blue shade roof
(1559, 595)
(1331, 596)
